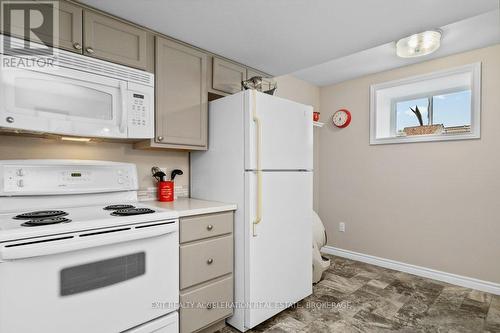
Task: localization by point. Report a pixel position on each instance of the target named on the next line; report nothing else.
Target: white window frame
(475, 132)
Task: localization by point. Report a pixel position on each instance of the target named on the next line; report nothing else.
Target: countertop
(190, 207)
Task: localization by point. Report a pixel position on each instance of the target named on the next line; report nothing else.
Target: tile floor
(358, 297)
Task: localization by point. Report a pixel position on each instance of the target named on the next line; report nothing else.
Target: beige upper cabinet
(181, 96)
(227, 76)
(70, 27)
(114, 40)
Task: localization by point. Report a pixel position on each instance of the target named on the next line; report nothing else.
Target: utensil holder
(166, 191)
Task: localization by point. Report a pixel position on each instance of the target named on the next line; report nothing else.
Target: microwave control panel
(140, 115)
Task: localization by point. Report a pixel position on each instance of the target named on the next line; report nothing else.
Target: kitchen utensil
(174, 173)
(158, 174)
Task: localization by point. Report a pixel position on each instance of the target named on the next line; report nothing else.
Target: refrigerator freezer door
(286, 133)
(278, 270)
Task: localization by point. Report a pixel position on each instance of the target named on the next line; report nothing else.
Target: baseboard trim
(459, 280)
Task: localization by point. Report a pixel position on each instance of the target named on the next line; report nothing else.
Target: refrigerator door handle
(258, 128)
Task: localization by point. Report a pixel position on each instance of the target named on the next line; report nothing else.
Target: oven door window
(100, 274)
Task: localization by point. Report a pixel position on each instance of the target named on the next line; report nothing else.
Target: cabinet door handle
(89, 50)
(210, 227)
(160, 138)
(77, 46)
(210, 261)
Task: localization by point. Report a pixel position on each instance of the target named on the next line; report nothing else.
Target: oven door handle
(83, 240)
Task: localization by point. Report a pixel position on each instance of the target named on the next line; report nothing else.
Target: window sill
(425, 138)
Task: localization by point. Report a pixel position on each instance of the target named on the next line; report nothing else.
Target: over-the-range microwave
(77, 96)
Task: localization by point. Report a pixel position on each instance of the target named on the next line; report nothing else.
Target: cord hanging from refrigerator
(258, 130)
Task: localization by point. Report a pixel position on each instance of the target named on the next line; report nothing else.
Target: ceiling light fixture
(418, 45)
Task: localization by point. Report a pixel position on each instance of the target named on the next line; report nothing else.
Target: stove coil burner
(117, 207)
(132, 211)
(42, 214)
(45, 221)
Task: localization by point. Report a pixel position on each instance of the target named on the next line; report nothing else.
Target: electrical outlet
(342, 227)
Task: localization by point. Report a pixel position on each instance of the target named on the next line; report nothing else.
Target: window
(405, 117)
(451, 109)
(443, 105)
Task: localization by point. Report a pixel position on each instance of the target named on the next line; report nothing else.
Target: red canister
(166, 191)
(316, 116)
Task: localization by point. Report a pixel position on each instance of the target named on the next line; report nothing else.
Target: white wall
(433, 204)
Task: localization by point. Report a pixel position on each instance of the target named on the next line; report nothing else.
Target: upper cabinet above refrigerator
(227, 76)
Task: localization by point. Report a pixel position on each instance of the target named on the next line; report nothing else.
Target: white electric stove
(79, 253)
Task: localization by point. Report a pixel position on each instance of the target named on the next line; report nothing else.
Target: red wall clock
(342, 118)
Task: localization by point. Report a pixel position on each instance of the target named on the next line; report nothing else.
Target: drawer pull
(210, 306)
(210, 261)
(210, 227)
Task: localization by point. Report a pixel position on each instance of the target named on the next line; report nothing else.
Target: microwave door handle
(124, 110)
(79, 242)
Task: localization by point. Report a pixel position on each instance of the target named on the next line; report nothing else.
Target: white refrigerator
(261, 158)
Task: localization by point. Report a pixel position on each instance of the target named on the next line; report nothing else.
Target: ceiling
(476, 32)
(286, 36)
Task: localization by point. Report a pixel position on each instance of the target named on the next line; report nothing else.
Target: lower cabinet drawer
(206, 305)
(205, 226)
(202, 261)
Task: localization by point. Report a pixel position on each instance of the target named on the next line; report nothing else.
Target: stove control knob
(20, 172)
(20, 183)
(120, 180)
